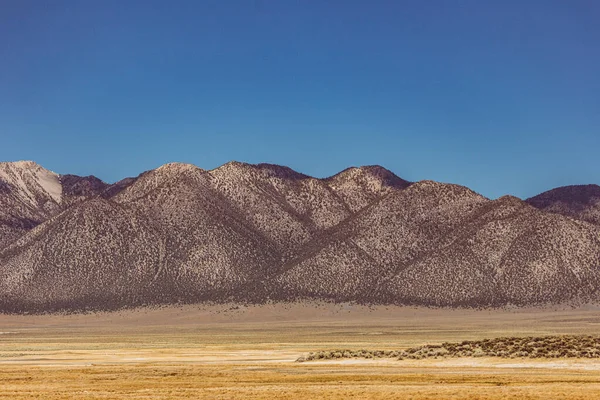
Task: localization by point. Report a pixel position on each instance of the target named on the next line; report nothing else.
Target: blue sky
(501, 96)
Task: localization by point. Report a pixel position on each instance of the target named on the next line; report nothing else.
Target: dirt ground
(226, 352)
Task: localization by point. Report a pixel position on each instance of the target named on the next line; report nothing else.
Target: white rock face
(29, 195)
(31, 183)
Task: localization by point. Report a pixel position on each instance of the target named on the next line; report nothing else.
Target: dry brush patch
(563, 346)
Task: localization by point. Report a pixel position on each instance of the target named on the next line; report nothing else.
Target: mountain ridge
(260, 232)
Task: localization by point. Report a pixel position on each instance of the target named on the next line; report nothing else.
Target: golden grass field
(216, 352)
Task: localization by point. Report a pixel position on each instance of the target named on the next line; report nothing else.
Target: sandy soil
(226, 352)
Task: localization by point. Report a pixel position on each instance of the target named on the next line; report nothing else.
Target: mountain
(252, 233)
(31, 194)
(359, 187)
(96, 251)
(438, 244)
(579, 201)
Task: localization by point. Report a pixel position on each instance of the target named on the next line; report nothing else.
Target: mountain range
(256, 233)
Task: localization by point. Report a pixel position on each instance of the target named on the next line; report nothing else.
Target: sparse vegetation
(218, 353)
(567, 346)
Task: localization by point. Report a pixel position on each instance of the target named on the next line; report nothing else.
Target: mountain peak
(377, 173)
(271, 170)
(177, 167)
(31, 182)
(21, 164)
(576, 201)
(447, 190)
(172, 170)
(232, 166)
(359, 186)
(583, 194)
(508, 198)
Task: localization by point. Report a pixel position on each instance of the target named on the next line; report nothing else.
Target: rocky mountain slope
(245, 232)
(30, 195)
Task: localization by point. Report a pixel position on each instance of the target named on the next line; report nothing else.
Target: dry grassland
(223, 353)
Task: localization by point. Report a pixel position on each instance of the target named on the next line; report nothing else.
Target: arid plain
(223, 352)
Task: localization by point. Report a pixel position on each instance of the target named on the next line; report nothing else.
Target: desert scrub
(347, 353)
(567, 346)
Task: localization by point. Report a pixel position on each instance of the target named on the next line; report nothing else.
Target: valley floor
(224, 352)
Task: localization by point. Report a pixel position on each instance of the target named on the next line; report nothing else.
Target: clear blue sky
(501, 96)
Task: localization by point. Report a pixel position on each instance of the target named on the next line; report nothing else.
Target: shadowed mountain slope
(578, 201)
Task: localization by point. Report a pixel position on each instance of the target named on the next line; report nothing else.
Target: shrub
(510, 347)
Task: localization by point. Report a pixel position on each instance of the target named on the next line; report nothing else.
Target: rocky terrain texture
(579, 201)
(255, 233)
